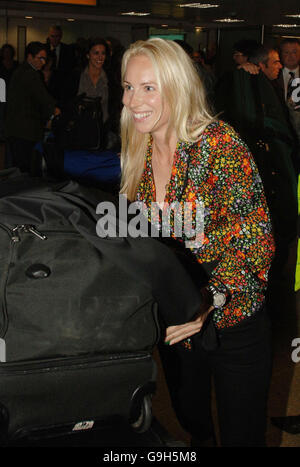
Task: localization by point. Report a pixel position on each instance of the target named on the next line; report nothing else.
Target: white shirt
(286, 77)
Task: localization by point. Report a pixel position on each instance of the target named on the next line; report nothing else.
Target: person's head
(7, 52)
(55, 35)
(97, 53)
(163, 95)
(267, 58)
(242, 50)
(36, 54)
(290, 53)
(196, 56)
(199, 57)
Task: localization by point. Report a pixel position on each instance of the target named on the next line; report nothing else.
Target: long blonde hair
(181, 87)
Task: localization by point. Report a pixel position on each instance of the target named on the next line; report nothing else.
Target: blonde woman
(173, 149)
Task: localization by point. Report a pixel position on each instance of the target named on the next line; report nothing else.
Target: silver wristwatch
(219, 298)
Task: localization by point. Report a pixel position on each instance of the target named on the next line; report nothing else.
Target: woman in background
(93, 79)
(7, 62)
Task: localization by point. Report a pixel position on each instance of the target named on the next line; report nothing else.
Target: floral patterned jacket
(220, 172)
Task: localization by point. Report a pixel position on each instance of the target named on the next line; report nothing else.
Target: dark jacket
(6, 73)
(29, 105)
(279, 86)
(251, 104)
(66, 61)
(58, 83)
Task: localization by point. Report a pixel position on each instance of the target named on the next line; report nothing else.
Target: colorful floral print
(219, 171)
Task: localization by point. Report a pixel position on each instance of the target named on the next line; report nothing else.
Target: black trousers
(241, 369)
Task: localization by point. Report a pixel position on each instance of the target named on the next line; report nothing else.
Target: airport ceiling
(166, 12)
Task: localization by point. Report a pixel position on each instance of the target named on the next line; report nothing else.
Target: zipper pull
(34, 231)
(28, 229)
(15, 235)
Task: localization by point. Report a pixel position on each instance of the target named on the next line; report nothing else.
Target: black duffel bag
(80, 125)
(65, 291)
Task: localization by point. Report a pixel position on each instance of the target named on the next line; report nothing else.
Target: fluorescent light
(135, 13)
(293, 16)
(70, 19)
(197, 5)
(229, 20)
(28, 17)
(286, 25)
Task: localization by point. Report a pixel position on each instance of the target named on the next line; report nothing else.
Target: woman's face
(97, 56)
(143, 99)
(239, 57)
(7, 53)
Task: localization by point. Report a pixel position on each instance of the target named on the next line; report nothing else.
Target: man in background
(29, 107)
(290, 59)
(63, 62)
(251, 104)
(288, 79)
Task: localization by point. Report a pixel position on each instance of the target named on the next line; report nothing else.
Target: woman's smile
(141, 116)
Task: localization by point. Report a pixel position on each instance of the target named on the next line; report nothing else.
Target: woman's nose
(135, 98)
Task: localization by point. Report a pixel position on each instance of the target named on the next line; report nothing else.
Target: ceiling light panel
(229, 20)
(286, 25)
(197, 5)
(134, 13)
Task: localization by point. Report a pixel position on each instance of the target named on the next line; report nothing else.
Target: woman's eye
(149, 88)
(127, 87)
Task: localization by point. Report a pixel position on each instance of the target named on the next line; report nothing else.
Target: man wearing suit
(290, 59)
(29, 107)
(286, 82)
(63, 62)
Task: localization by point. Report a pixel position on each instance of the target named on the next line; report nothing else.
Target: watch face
(219, 299)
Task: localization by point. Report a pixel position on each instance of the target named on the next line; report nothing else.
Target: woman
(242, 50)
(7, 67)
(174, 150)
(7, 63)
(93, 79)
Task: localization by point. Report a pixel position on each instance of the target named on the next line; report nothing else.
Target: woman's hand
(250, 68)
(180, 332)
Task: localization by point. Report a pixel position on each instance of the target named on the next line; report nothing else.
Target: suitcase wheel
(143, 423)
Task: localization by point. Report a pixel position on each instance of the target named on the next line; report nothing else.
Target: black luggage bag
(79, 313)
